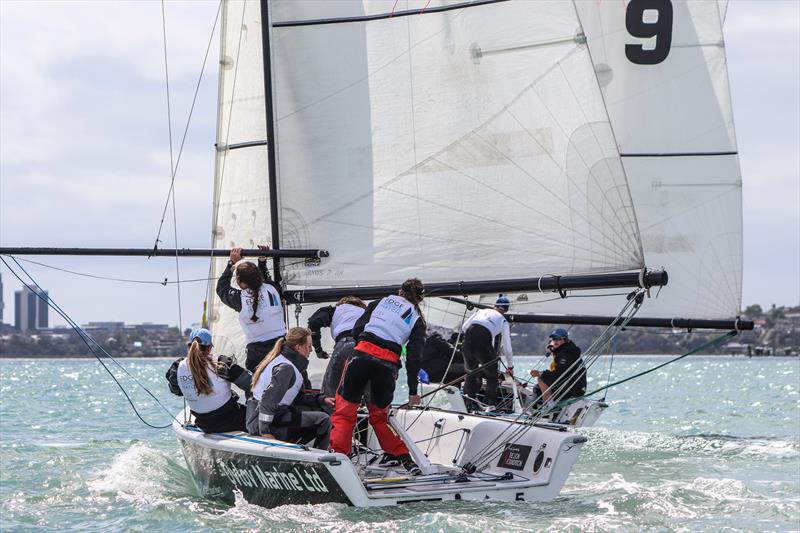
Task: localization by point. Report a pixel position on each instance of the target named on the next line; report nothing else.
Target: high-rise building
(2, 303)
(30, 311)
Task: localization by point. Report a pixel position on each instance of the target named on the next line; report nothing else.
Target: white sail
(241, 193)
(669, 103)
(462, 144)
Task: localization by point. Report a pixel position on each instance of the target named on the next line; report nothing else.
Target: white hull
(272, 473)
(581, 413)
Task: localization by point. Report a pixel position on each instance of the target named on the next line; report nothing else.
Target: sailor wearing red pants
(380, 334)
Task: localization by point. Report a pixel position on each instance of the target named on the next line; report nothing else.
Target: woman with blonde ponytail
(205, 381)
(279, 407)
(380, 334)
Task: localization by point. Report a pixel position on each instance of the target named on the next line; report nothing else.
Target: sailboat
(530, 148)
(475, 145)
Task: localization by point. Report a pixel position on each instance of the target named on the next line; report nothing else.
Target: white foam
(140, 475)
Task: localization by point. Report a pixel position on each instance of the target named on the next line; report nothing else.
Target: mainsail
(447, 144)
(458, 141)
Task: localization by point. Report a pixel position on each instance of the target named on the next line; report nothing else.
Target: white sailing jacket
(270, 323)
(497, 324)
(203, 403)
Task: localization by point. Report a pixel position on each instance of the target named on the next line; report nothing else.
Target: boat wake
(144, 476)
(608, 442)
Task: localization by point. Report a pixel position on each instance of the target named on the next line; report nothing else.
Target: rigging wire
(188, 121)
(495, 446)
(94, 347)
(171, 170)
(444, 376)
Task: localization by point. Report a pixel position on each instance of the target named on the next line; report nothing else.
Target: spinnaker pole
(594, 320)
(649, 278)
(164, 252)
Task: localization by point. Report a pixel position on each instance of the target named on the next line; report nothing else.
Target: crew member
(258, 302)
(280, 408)
(341, 319)
(440, 356)
(199, 378)
(381, 332)
(566, 377)
(480, 332)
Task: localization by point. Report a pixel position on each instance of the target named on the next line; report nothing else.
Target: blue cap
(502, 302)
(202, 335)
(559, 333)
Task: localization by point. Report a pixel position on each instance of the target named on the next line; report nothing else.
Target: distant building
(103, 327)
(147, 327)
(2, 303)
(30, 311)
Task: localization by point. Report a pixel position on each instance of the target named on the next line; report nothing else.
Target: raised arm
(322, 318)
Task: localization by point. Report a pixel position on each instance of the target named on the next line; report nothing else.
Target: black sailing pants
(478, 351)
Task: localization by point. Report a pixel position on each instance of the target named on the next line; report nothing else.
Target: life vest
(265, 379)
(203, 403)
(269, 324)
(488, 318)
(344, 318)
(392, 319)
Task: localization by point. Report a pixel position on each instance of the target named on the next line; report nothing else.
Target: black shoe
(388, 460)
(409, 464)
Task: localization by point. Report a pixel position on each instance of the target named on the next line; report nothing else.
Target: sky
(85, 154)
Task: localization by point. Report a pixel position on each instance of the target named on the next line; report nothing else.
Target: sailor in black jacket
(381, 332)
(439, 356)
(566, 377)
(341, 320)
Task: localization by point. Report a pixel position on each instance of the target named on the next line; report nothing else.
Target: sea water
(708, 443)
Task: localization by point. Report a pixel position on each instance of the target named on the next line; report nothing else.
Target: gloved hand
(172, 377)
(224, 364)
(322, 354)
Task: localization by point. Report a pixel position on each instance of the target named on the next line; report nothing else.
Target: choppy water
(710, 444)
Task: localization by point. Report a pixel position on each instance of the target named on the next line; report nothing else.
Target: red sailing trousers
(361, 370)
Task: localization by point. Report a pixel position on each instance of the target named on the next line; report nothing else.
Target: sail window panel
(466, 144)
(680, 104)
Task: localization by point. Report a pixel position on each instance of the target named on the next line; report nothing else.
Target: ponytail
(294, 337)
(414, 291)
(197, 359)
(276, 350)
(249, 274)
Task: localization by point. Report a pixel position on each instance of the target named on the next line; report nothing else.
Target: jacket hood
(297, 359)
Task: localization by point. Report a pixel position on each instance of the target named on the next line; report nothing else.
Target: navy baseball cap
(559, 333)
(202, 335)
(502, 302)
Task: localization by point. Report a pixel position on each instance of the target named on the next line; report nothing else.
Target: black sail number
(661, 29)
